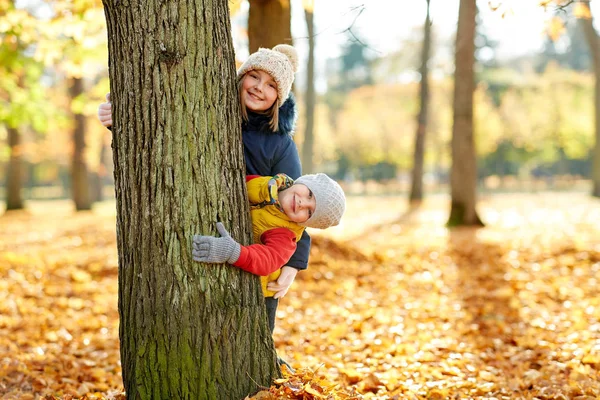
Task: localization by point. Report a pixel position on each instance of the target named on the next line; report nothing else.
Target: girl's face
(259, 90)
(297, 202)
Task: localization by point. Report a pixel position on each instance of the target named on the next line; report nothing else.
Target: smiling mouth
(294, 204)
(255, 97)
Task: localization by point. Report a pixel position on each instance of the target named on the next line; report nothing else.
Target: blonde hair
(272, 113)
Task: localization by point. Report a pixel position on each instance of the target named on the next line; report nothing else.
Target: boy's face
(259, 90)
(298, 202)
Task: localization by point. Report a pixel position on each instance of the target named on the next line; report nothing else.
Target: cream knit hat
(281, 63)
(329, 198)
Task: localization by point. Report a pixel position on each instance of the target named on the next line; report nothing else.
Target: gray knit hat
(329, 198)
(281, 63)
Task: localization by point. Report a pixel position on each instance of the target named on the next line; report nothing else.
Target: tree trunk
(80, 184)
(309, 139)
(187, 330)
(95, 186)
(14, 174)
(416, 189)
(97, 177)
(269, 23)
(594, 44)
(463, 173)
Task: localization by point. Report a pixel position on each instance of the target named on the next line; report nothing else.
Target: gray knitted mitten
(208, 249)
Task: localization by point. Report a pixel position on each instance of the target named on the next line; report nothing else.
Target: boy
(281, 208)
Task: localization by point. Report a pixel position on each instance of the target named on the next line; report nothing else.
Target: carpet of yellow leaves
(393, 305)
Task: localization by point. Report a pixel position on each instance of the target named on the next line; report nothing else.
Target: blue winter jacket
(268, 153)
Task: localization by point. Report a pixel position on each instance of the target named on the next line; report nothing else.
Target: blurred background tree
(25, 112)
(308, 139)
(274, 14)
(587, 22)
(463, 171)
(54, 61)
(416, 188)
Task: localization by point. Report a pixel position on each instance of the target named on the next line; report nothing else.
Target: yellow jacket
(267, 218)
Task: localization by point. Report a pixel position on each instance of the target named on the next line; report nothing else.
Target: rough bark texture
(416, 188)
(594, 44)
(80, 184)
(187, 330)
(309, 138)
(14, 174)
(269, 23)
(463, 175)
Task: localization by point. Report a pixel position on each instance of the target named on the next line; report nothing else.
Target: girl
(268, 120)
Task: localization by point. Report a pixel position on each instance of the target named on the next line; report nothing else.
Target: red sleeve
(250, 177)
(262, 259)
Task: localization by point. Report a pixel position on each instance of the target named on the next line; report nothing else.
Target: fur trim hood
(287, 119)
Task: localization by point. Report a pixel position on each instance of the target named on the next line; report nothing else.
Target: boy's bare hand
(282, 285)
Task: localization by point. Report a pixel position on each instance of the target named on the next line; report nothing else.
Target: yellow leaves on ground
(58, 317)
(393, 305)
(507, 311)
(304, 384)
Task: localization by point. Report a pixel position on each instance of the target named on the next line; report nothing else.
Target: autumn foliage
(393, 305)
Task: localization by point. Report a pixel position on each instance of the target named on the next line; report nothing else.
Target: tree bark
(594, 44)
(187, 330)
(309, 139)
(14, 175)
(416, 188)
(80, 183)
(463, 174)
(269, 23)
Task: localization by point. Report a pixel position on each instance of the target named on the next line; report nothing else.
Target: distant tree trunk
(80, 184)
(14, 175)
(187, 330)
(269, 23)
(416, 189)
(95, 186)
(463, 174)
(594, 44)
(97, 177)
(309, 139)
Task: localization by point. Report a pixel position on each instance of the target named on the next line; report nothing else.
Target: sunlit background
(534, 99)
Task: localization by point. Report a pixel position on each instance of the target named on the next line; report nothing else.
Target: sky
(383, 21)
(518, 26)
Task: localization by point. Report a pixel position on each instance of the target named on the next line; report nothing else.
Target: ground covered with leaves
(393, 306)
